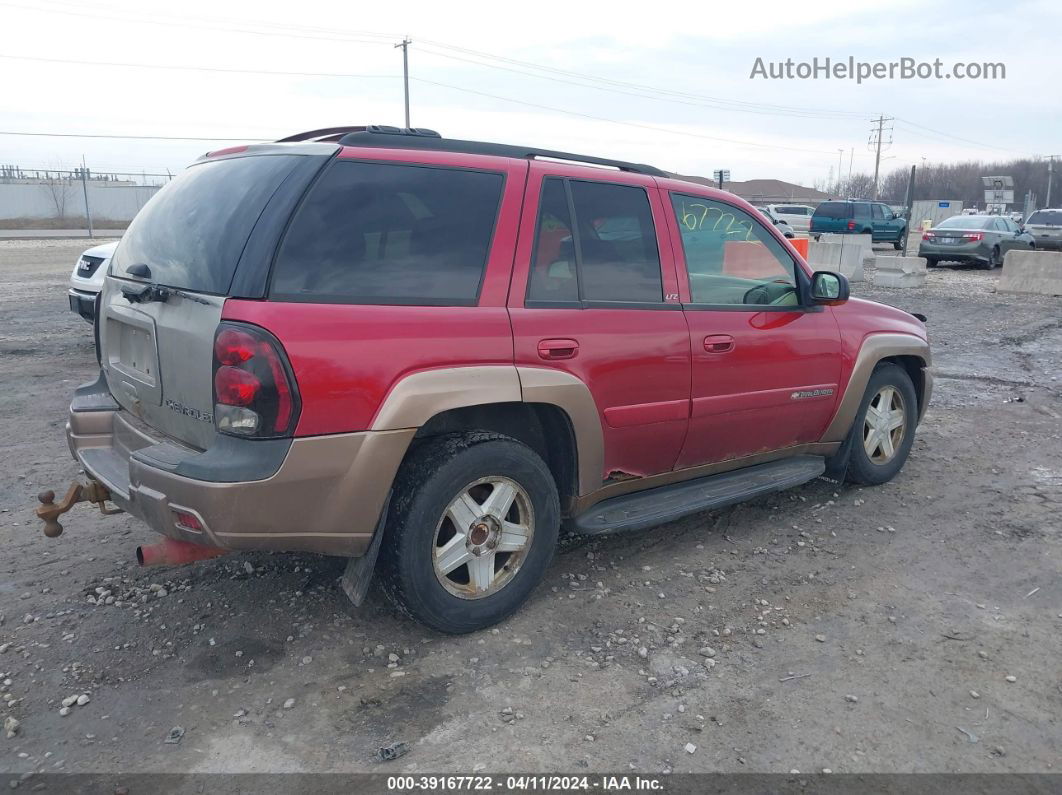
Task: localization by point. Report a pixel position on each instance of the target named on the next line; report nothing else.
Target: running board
(666, 503)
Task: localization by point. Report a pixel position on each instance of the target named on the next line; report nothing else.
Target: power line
(134, 137)
(418, 79)
(907, 123)
(617, 121)
(655, 92)
(650, 93)
(186, 67)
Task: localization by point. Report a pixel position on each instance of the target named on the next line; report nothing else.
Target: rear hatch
(831, 217)
(169, 278)
(1045, 226)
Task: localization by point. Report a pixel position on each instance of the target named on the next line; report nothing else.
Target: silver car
(1045, 226)
(981, 239)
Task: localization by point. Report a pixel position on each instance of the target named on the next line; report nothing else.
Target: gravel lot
(907, 628)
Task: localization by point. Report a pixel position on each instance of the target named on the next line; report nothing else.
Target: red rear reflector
(851, 225)
(189, 521)
(927, 235)
(235, 387)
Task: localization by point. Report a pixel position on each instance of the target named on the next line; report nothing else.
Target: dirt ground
(907, 628)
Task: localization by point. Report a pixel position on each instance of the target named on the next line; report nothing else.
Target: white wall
(106, 201)
(931, 209)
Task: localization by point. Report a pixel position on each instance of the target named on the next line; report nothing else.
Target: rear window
(967, 222)
(1052, 217)
(191, 233)
(833, 210)
(380, 233)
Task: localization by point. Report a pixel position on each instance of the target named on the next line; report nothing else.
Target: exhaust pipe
(171, 552)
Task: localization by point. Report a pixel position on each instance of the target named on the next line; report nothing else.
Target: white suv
(797, 216)
(87, 279)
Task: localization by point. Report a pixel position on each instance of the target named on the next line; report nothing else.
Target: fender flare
(875, 347)
(419, 396)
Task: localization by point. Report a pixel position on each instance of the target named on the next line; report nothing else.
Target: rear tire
(444, 560)
(931, 262)
(879, 447)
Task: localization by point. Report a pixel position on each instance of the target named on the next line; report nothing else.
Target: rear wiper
(157, 292)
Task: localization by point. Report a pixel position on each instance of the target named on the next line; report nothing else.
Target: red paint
(171, 552)
(636, 362)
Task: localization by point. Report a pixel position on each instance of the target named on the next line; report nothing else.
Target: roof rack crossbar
(412, 140)
(312, 135)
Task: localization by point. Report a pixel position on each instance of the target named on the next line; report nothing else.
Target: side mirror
(829, 288)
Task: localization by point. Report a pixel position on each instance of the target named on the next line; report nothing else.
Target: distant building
(766, 191)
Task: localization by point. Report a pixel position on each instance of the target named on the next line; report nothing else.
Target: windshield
(966, 222)
(192, 232)
(1052, 217)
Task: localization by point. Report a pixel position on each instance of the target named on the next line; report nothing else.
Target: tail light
(851, 225)
(973, 236)
(927, 235)
(254, 390)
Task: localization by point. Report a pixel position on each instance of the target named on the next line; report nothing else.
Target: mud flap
(356, 578)
(837, 464)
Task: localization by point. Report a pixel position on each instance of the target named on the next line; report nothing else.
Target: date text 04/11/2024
(523, 783)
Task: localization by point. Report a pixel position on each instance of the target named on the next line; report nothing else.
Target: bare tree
(59, 188)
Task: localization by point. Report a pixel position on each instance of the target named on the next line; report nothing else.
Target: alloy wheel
(483, 537)
(884, 425)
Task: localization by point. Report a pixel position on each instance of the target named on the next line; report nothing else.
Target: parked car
(782, 226)
(430, 355)
(798, 216)
(1045, 226)
(982, 239)
(853, 217)
(87, 279)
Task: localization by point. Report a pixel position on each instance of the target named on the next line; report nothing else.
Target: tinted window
(880, 214)
(191, 233)
(1052, 217)
(553, 271)
(791, 210)
(833, 210)
(379, 233)
(861, 209)
(609, 255)
(731, 258)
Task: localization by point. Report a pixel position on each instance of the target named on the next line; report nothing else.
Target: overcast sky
(563, 75)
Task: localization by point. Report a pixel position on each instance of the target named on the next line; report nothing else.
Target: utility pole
(84, 191)
(876, 141)
(404, 44)
(908, 203)
(1050, 174)
(840, 163)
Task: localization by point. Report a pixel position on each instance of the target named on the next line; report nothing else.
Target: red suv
(381, 343)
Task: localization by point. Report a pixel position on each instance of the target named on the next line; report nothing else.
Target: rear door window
(861, 209)
(192, 232)
(608, 253)
(383, 233)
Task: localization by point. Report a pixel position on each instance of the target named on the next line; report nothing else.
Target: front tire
(883, 432)
(472, 528)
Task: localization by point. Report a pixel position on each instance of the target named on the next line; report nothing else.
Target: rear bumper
(971, 252)
(320, 494)
(1048, 243)
(83, 303)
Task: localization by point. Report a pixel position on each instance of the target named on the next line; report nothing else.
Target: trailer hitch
(50, 510)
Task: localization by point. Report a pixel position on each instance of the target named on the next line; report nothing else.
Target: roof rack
(320, 135)
(418, 138)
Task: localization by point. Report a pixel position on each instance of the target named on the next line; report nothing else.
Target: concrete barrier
(1037, 272)
(863, 242)
(901, 272)
(851, 264)
(824, 256)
